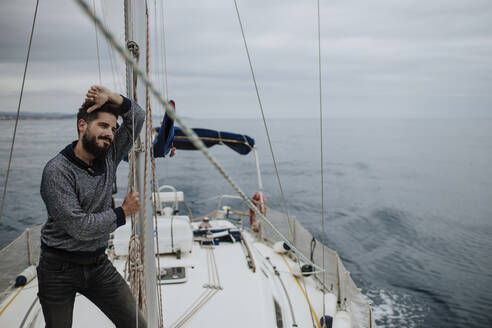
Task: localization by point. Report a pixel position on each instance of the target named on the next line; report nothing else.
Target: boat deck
(220, 290)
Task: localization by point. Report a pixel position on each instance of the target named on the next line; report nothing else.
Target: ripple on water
(393, 309)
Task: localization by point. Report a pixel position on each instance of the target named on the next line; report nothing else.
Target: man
(77, 189)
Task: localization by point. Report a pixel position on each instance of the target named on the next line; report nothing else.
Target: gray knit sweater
(78, 197)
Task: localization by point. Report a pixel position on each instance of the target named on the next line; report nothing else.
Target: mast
(135, 30)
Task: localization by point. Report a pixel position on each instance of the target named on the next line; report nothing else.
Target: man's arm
(133, 118)
(132, 114)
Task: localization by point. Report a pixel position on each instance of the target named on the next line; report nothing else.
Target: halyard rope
(139, 292)
(18, 110)
(148, 144)
(157, 75)
(189, 132)
(163, 49)
(134, 253)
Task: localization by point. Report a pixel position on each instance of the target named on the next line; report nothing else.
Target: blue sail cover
(240, 143)
(164, 140)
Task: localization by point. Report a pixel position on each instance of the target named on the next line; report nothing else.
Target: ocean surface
(408, 203)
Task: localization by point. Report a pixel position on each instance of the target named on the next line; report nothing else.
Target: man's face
(98, 135)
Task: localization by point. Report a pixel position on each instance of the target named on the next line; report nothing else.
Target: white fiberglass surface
(240, 300)
(244, 298)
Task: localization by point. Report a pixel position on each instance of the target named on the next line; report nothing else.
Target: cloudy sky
(380, 58)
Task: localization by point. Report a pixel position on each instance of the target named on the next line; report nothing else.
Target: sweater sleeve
(58, 191)
(133, 116)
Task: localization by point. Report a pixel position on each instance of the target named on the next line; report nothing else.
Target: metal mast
(135, 30)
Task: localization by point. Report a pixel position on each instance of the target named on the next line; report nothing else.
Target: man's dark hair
(108, 107)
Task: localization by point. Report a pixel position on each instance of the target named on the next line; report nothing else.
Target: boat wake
(392, 309)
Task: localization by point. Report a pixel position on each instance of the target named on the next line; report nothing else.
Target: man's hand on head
(99, 95)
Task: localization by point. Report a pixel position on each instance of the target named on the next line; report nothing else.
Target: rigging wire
(154, 180)
(117, 83)
(163, 46)
(18, 110)
(189, 132)
(321, 156)
(163, 65)
(97, 44)
(157, 75)
(284, 202)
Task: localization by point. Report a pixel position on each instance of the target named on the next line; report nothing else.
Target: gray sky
(380, 58)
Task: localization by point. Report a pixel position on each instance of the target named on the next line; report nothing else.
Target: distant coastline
(6, 116)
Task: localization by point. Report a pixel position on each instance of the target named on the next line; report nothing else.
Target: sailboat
(230, 267)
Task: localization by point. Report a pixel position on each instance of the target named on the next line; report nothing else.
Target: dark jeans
(60, 279)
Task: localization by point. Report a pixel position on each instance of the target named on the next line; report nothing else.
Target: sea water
(408, 203)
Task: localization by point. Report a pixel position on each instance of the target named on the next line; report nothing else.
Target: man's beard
(89, 142)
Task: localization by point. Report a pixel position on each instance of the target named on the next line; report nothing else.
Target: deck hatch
(173, 275)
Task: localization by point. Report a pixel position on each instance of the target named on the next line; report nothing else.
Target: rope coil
(134, 267)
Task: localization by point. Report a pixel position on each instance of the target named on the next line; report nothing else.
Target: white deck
(246, 299)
